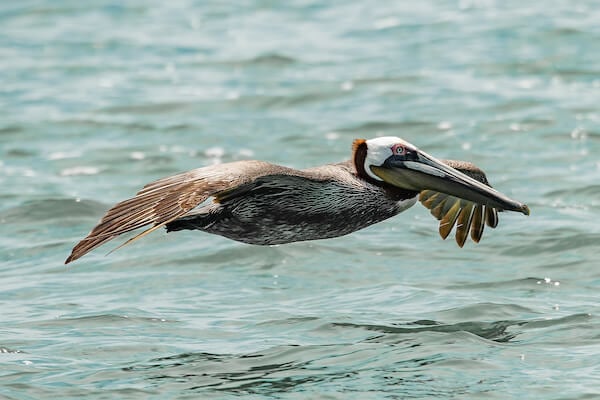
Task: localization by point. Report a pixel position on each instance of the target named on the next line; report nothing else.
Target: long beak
(426, 172)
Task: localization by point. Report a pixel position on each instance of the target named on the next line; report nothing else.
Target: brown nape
(359, 155)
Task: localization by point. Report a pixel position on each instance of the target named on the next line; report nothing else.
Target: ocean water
(98, 98)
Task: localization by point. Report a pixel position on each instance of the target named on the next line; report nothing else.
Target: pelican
(260, 203)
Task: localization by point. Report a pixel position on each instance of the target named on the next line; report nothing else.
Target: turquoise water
(98, 98)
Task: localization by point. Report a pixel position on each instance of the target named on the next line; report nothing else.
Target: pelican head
(394, 161)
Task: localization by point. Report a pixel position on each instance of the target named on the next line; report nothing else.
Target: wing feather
(465, 215)
(477, 223)
(167, 199)
(449, 219)
(463, 224)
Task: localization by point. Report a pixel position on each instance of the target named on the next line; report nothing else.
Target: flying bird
(260, 203)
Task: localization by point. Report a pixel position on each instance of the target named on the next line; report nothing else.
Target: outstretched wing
(466, 215)
(167, 199)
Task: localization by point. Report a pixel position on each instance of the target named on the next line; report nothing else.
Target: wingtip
(76, 252)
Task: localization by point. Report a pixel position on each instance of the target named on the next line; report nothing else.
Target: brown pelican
(261, 203)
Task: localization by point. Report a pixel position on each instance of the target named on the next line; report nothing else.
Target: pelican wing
(168, 199)
(453, 211)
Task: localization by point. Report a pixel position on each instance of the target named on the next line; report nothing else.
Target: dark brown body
(317, 203)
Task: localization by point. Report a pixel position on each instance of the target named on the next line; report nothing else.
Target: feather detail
(448, 220)
(491, 217)
(463, 224)
(466, 215)
(477, 223)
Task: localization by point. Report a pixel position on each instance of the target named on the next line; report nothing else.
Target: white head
(381, 148)
(395, 162)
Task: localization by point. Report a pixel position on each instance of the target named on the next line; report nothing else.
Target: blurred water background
(98, 98)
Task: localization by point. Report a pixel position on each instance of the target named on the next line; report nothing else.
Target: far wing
(466, 215)
(168, 199)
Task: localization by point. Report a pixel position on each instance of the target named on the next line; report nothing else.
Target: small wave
(80, 170)
(289, 101)
(110, 124)
(51, 209)
(154, 108)
(586, 191)
(6, 130)
(103, 320)
(495, 331)
(250, 102)
(274, 59)
(545, 323)
(7, 350)
(555, 241)
(267, 59)
(525, 283)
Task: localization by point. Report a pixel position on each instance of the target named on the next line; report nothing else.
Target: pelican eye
(399, 150)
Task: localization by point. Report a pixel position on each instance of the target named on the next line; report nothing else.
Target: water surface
(99, 98)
